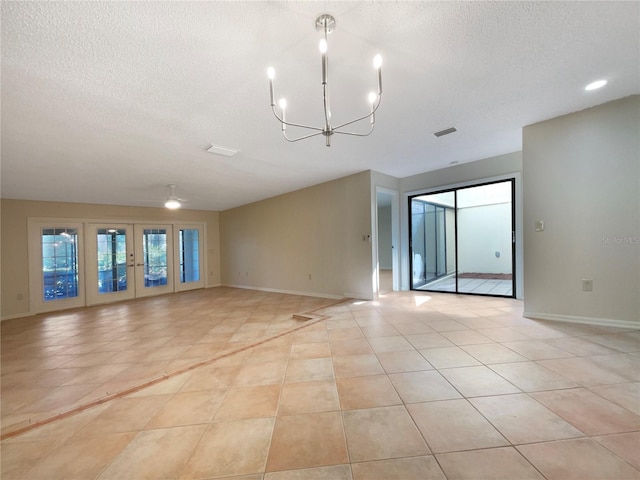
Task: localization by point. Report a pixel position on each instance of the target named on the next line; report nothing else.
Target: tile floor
(413, 386)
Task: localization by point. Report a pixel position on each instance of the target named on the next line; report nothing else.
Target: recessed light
(595, 85)
(220, 150)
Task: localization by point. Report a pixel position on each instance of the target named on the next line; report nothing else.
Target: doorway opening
(387, 235)
(463, 240)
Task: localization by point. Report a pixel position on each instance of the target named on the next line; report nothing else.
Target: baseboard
(359, 296)
(16, 315)
(601, 322)
(288, 292)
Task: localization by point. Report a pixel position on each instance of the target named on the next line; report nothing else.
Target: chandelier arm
(289, 124)
(356, 134)
(369, 115)
(326, 23)
(284, 134)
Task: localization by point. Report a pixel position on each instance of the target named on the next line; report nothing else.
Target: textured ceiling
(108, 102)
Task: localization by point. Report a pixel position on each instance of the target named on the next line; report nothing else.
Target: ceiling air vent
(446, 131)
(220, 150)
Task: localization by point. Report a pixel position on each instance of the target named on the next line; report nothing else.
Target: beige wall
(308, 241)
(582, 178)
(14, 258)
(580, 174)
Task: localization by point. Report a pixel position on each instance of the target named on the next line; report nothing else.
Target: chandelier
(326, 23)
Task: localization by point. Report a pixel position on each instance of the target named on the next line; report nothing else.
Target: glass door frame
(91, 252)
(439, 235)
(87, 269)
(35, 227)
(143, 290)
(515, 230)
(181, 286)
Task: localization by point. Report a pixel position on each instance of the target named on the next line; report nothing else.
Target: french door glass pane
(418, 218)
(59, 263)
(112, 260)
(189, 250)
(154, 251)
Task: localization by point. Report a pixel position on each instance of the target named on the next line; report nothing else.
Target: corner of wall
(581, 176)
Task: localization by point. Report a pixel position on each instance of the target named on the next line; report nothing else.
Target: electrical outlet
(587, 285)
(309, 276)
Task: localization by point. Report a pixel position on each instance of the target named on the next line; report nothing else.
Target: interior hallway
(414, 385)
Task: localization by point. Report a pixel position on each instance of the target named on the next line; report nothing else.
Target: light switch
(539, 225)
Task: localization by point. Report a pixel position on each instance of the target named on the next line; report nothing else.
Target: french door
(189, 242)
(128, 261)
(110, 269)
(56, 265)
(78, 263)
(153, 259)
(463, 240)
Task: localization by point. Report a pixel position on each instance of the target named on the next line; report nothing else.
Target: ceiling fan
(170, 201)
(173, 202)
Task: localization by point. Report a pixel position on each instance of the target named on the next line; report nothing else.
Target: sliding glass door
(486, 239)
(463, 240)
(433, 229)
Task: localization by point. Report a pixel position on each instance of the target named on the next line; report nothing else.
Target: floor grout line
(445, 461)
(166, 376)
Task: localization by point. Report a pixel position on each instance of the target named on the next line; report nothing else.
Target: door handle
(140, 264)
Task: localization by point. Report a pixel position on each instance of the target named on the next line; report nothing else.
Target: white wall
(466, 172)
(581, 176)
(483, 231)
